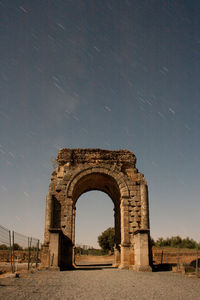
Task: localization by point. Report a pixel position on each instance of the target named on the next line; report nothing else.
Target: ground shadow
(162, 267)
(89, 267)
(93, 265)
(193, 263)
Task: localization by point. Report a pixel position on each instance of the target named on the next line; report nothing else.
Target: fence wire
(185, 260)
(20, 241)
(4, 237)
(17, 249)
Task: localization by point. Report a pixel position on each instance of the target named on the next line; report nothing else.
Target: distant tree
(176, 241)
(160, 242)
(17, 247)
(152, 241)
(87, 251)
(4, 247)
(189, 243)
(107, 240)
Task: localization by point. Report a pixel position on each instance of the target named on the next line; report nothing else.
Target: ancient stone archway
(113, 172)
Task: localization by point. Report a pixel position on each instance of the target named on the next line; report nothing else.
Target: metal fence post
(15, 244)
(13, 250)
(162, 256)
(10, 251)
(28, 253)
(197, 261)
(37, 250)
(178, 257)
(30, 244)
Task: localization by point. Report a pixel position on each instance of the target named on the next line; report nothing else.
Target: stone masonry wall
(73, 161)
(113, 172)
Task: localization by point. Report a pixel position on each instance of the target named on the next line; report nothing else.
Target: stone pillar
(141, 236)
(117, 256)
(117, 225)
(144, 207)
(73, 234)
(125, 240)
(141, 242)
(48, 217)
(73, 224)
(69, 219)
(67, 238)
(132, 256)
(54, 249)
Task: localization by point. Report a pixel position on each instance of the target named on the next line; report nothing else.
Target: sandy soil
(105, 259)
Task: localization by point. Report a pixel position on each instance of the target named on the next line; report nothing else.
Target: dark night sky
(101, 74)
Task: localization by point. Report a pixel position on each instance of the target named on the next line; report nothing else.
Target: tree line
(82, 250)
(17, 247)
(175, 241)
(106, 241)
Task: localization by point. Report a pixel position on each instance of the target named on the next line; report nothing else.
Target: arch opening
(97, 182)
(94, 214)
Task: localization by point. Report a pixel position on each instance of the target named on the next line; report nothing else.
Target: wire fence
(18, 251)
(4, 236)
(179, 259)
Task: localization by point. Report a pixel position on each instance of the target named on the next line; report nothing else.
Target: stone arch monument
(113, 172)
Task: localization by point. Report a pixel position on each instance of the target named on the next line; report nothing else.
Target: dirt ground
(105, 259)
(99, 283)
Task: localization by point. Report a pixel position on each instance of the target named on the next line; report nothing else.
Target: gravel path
(100, 284)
